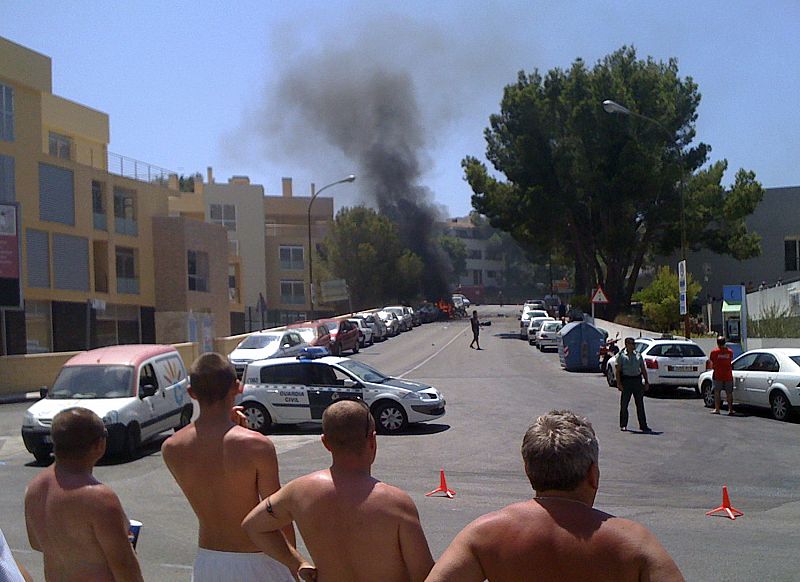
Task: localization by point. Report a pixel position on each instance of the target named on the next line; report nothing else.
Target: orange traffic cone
(442, 487)
(726, 506)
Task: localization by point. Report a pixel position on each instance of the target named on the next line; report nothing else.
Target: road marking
(177, 566)
(434, 354)
(285, 443)
(11, 446)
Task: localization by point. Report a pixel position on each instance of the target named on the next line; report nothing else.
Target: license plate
(681, 368)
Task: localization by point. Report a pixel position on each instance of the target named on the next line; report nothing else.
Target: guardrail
(137, 169)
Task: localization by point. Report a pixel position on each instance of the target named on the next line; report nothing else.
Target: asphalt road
(666, 480)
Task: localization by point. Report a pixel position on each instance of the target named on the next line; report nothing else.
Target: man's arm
(643, 369)
(268, 478)
(413, 545)
(459, 563)
(32, 539)
(111, 527)
(659, 565)
(263, 525)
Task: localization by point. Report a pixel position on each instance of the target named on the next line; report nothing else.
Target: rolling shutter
(71, 262)
(56, 194)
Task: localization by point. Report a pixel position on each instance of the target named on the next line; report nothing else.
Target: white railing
(136, 169)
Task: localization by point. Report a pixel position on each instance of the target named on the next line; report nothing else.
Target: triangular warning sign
(599, 296)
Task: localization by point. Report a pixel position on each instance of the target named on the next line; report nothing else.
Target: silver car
(263, 345)
(391, 322)
(379, 331)
(403, 316)
(364, 331)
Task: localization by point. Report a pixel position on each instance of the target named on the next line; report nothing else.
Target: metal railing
(136, 169)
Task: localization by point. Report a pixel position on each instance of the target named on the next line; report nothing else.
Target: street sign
(334, 290)
(600, 296)
(682, 276)
(684, 309)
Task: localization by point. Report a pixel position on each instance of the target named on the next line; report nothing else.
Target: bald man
(354, 526)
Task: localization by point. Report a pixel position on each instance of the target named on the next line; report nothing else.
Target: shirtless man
(556, 535)
(355, 527)
(73, 519)
(224, 470)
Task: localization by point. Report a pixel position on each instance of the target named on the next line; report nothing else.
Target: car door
(760, 376)
(328, 385)
(155, 407)
(741, 366)
(172, 377)
(283, 387)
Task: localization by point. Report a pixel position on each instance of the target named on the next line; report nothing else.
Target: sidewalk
(19, 397)
(624, 331)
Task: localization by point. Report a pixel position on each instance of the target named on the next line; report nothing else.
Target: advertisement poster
(10, 290)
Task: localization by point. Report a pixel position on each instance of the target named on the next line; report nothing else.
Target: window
(7, 188)
(56, 194)
(38, 327)
(477, 277)
(291, 258)
(60, 146)
(475, 254)
(70, 262)
(6, 113)
(491, 274)
(224, 214)
(198, 271)
(293, 292)
(494, 256)
(125, 212)
(127, 282)
(791, 255)
(744, 362)
(38, 254)
(285, 374)
(233, 248)
(99, 205)
(117, 324)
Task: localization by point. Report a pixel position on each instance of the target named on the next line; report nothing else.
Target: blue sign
(684, 310)
(732, 293)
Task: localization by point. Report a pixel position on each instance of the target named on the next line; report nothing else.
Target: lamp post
(350, 178)
(613, 107)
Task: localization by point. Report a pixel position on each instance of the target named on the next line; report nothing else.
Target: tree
(456, 250)
(608, 190)
(661, 299)
(363, 247)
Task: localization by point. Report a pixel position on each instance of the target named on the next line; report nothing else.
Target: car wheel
(258, 418)
(133, 440)
(390, 418)
(779, 404)
(41, 454)
(530, 342)
(611, 378)
(186, 417)
(707, 392)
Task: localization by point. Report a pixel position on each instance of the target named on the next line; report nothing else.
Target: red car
(344, 336)
(314, 333)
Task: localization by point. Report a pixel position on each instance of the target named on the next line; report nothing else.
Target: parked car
(670, 362)
(403, 316)
(391, 321)
(379, 331)
(766, 378)
(294, 390)
(525, 320)
(265, 344)
(428, 313)
(364, 331)
(534, 304)
(547, 336)
(138, 390)
(462, 298)
(314, 333)
(416, 318)
(344, 336)
(534, 325)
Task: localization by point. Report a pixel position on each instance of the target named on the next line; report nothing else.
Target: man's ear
(325, 442)
(239, 386)
(191, 394)
(593, 477)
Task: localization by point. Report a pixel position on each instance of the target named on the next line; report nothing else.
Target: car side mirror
(147, 390)
(285, 346)
(348, 383)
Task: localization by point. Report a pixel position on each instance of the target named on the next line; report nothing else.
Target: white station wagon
(295, 390)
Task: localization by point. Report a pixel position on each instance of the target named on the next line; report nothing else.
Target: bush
(661, 299)
(774, 321)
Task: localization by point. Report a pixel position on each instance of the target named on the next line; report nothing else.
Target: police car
(295, 390)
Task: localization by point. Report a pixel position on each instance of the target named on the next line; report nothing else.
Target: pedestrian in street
(721, 359)
(72, 518)
(476, 329)
(557, 535)
(631, 381)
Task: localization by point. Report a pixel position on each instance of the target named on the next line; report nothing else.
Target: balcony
(127, 285)
(100, 221)
(126, 226)
(137, 170)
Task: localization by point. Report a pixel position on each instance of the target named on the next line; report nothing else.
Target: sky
(270, 89)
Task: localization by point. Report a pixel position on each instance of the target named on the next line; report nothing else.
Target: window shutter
(38, 255)
(71, 262)
(56, 194)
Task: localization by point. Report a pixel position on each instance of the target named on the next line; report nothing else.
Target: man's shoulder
(249, 440)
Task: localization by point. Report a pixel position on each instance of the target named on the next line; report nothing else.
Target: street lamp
(614, 107)
(350, 178)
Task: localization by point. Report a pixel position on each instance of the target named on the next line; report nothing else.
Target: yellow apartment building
(88, 273)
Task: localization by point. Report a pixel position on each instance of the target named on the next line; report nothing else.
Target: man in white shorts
(224, 470)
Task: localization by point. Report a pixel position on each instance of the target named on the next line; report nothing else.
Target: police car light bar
(312, 353)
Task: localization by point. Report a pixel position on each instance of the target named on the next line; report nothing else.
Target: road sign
(600, 296)
(682, 276)
(334, 290)
(684, 309)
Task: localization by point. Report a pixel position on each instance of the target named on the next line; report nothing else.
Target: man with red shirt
(721, 359)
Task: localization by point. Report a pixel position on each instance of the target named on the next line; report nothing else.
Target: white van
(138, 390)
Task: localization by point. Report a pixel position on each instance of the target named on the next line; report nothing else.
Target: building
(484, 265)
(88, 273)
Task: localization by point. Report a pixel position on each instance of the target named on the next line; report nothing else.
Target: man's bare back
(357, 528)
(555, 539)
(80, 527)
(222, 470)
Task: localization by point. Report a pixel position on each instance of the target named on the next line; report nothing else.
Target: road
(666, 480)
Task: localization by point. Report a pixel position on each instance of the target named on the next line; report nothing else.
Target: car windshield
(551, 326)
(256, 342)
(333, 326)
(93, 382)
(307, 333)
(364, 372)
